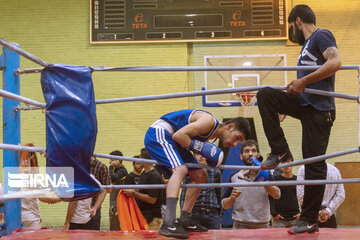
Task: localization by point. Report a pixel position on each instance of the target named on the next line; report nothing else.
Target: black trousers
(316, 126)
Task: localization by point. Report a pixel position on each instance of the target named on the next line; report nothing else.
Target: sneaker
(274, 159)
(173, 229)
(192, 226)
(303, 227)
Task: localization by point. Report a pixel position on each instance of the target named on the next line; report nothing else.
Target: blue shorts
(165, 150)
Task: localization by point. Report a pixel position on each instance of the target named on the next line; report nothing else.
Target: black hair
(247, 143)
(304, 12)
(241, 124)
(116, 153)
(144, 153)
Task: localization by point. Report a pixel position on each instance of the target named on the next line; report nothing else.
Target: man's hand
(235, 193)
(66, 226)
(129, 192)
(245, 176)
(296, 86)
(282, 117)
(324, 215)
(164, 180)
(92, 212)
(278, 217)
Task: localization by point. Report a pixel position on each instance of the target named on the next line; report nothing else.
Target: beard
(296, 35)
(299, 36)
(247, 162)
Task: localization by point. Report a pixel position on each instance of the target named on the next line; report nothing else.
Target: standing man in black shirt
(316, 113)
(134, 176)
(149, 200)
(118, 174)
(285, 210)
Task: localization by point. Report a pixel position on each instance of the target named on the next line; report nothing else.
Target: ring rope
(23, 53)
(39, 193)
(244, 184)
(193, 165)
(19, 98)
(195, 68)
(180, 95)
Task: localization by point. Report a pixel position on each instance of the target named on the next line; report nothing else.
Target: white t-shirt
(82, 211)
(30, 209)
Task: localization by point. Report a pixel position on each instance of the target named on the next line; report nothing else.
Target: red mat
(255, 234)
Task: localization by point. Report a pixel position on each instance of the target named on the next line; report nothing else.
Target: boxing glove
(214, 155)
(262, 175)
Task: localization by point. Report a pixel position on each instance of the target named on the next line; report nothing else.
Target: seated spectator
(149, 200)
(251, 204)
(285, 210)
(134, 176)
(207, 207)
(334, 196)
(101, 172)
(80, 212)
(30, 211)
(118, 174)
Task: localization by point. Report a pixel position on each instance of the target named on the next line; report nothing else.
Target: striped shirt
(208, 197)
(101, 173)
(334, 194)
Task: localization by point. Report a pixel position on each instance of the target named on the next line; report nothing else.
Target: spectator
(334, 195)
(207, 207)
(80, 212)
(101, 172)
(149, 200)
(285, 210)
(30, 212)
(251, 204)
(118, 174)
(134, 176)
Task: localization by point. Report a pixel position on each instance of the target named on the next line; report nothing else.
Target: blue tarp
(71, 124)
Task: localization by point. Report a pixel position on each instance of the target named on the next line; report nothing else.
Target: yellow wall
(58, 32)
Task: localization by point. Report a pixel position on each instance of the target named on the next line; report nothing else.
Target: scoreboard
(129, 21)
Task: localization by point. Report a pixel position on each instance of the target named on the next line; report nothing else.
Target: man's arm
(70, 213)
(331, 65)
(202, 124)
(338, 198)
(228, 202)
(105, 177)
(99, 200)
(300, 188)
(117, 174)
(273, 191)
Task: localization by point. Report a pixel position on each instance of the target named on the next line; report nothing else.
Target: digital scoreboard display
(129, 21)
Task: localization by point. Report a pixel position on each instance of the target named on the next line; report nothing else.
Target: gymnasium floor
(256, 234)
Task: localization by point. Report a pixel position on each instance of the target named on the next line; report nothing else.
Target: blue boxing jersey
(311, 55)
(181, 118)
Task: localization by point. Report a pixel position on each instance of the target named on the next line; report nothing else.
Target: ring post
(11, 134)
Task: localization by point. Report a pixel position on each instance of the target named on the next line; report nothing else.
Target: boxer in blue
(170, 141)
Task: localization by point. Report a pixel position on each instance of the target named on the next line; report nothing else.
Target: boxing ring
(10, 64)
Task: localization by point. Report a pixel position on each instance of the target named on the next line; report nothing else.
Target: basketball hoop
(247, 100)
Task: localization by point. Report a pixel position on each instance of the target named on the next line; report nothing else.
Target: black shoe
(274, 159)
(303, 227)
(192, 226)
(173, 229)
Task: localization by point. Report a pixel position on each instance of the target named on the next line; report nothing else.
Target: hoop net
(248, 101)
